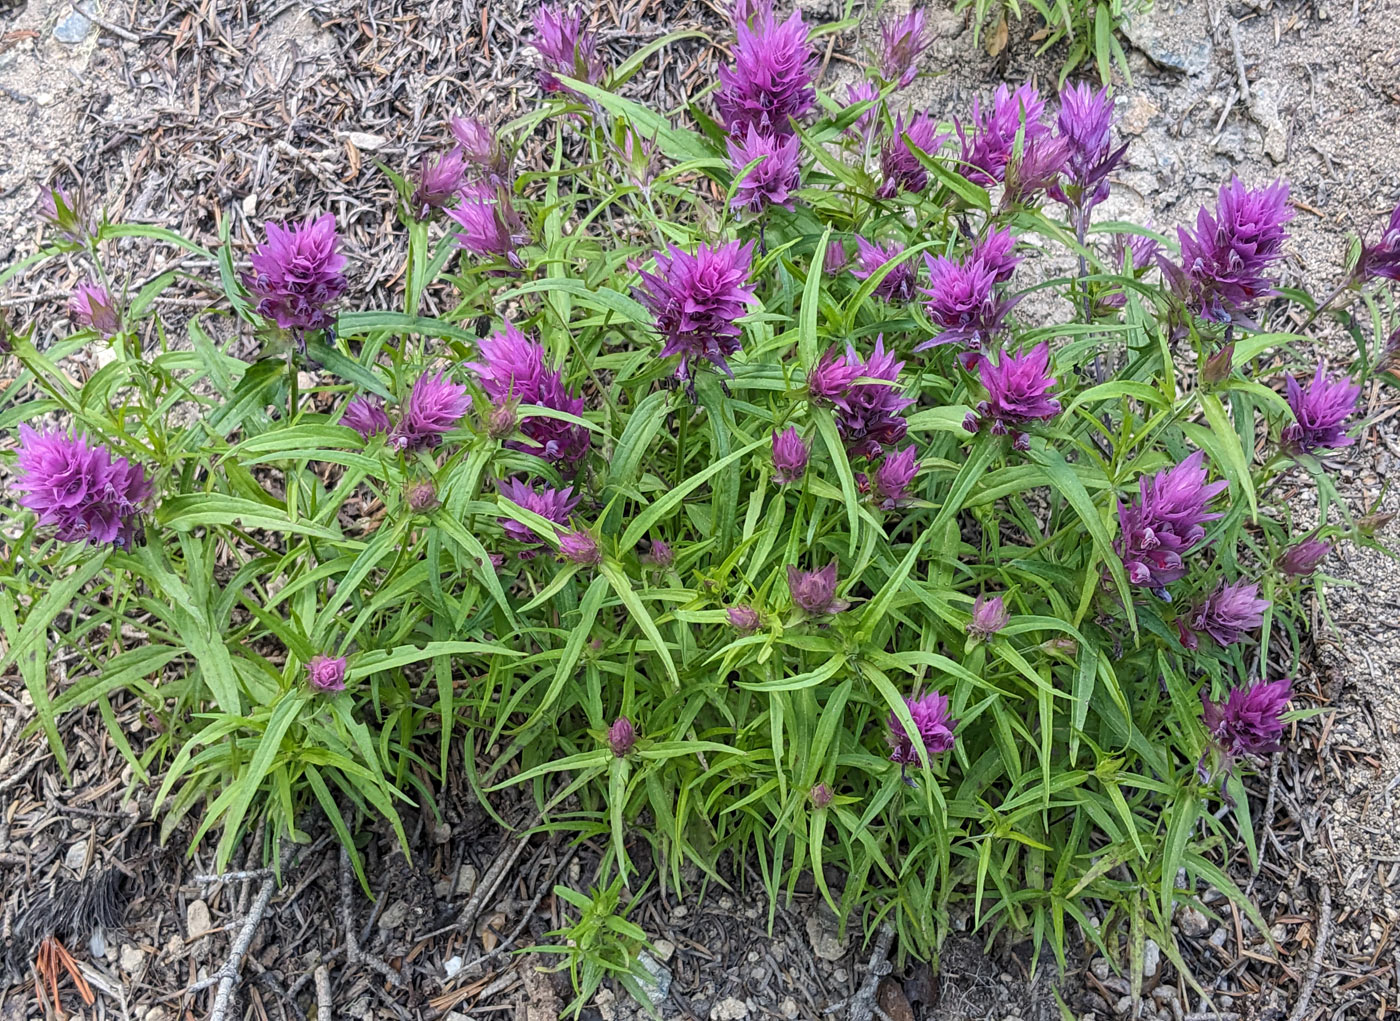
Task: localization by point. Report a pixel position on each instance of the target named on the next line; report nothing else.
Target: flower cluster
(697, 300)
(1084, 121)
(1226, 615)
(894, 477)
(566, 47)
(79, 487)
(933, 723)
(1320, 411)
(902, 39)
(512, 370)
(771, 181)
(815, 591)
(1017, 386)
(789, 457)
(899, 283)
(1382, 260)
(434, 407)
(1166, 522)
(899, 165)
(964, 301)
(326, 673)
(1226, 260)
(1248, 721)
(868, 414)
(552, 504)
(491, 228)
(298, 274)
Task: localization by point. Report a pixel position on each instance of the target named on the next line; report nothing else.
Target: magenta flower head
(770, 82)
(865, 123)
(963, 301)
(789, 457)
(621, 737)
(491, 229)
(551, 504)
(512, 370)
(894, 477)
(901, 168)
(366, 416)
(902, 40)
(815, 591)
(1225, 261)
(1036, 169)
(772, 180)
(988, 617)
(697, 301)
(91, 306)
(66, 213)
(438, 182)
(566, 47)
(481, 151)
(989, 144)
(1248, 722)
(1085, 120)
(1166, 522)
(1230, 612)
(931, 720)
(995, 252)
(298, 274)
(580, 547)
(1383, 258)
(435, 405)
(835, 258)
(1321, 412)
(1017, 388)
(743, 618)
(868, 415)
(899, 284)
(80, 487)
(1304, 558)
(326, 673)
(660, 555)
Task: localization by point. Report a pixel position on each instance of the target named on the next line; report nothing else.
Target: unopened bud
(421, 496)
(621, 737)
(501, 422)
(1217, 367)
(820, 795)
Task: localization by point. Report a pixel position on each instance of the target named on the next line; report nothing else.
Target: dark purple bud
(580, 547)
(743, 618)
(1303, 559)
(1248, 721)
(1217, 367)
(660, 555)
(789, 457)
(421, 496)
(621, 737)
(815, 591)
(501, 422)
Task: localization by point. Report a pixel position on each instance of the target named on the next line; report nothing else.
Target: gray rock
(1186, 52)
(75, 27)
(658, 987)
(1124, 1004)
(198, 921)
(1151, 958)
(1100, 968)
(1192, 922)
(394, 915)
(823, 933)
(132, 958)
(729, 1009)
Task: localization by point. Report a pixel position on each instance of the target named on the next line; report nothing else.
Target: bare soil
(184, 114)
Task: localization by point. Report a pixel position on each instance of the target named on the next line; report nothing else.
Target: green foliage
(1070, 805)
(1088, 28)
(600, 944)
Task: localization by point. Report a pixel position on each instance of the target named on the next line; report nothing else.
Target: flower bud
(580, 547)
(621, 737)
(421, 496)
(820, 795)
(501, 422)
(1217, 367)
(660, 554)
(988, 617)
(1304, 558)
(326, 673)
(744, 618)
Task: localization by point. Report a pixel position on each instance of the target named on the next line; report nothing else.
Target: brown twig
(1324, 935)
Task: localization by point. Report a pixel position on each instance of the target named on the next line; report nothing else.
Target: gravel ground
(185, 113)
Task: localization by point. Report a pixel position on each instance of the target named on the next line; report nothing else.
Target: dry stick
(323, 993)
(488, 884)
(1239, 62)
(116, 30)
(228, 974)
(863, 1002)
(1265, 821)
(1324, 934)
(525, 919)
(353, 954)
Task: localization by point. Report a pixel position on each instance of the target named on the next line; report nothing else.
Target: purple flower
(988, 617)
(789, 457)
(902, 39)
(963, 301)
(894, 476)
(867, 414)
(565, 47)
(743, 618)
(1383, 258)
(1085, 120)
(438, 183)
(621, 737)
(1321, 412)
(480, 150)
(551, 504)
(512, 370)
(770, 82)
(898, 285)
(298, 274)
(93, 307)
(580, 547)
(815, 591)
(1016, 390)
(901, 168)
(65, 212)
(1166, 522)
(1224, 262)
(490, 227)
(435, 405)
(995, 252)
(660, 555)
(1134, 253)
(1303, 559)
(931, 720)
(820, 794)
(989, 146)
(421, 496)
(1230, 611)
(366, 415)
(835, 258)
(697, 300)
(326, 673)
(772, 180)
(1038, 168)
(865, 123)
(1248, 722)
(80, 487)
